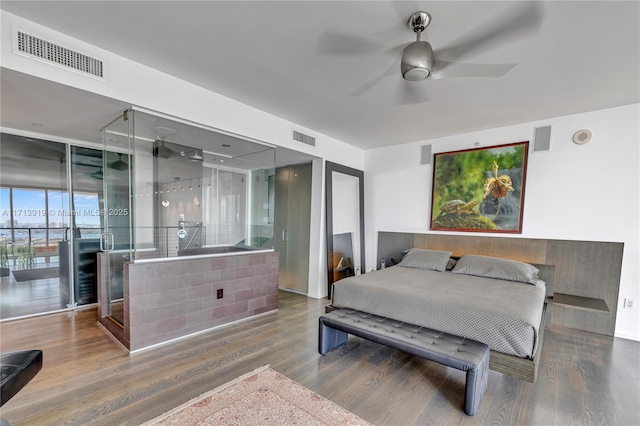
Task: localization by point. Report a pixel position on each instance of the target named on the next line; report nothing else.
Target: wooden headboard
(585, 273)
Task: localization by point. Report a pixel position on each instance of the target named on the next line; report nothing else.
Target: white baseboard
(627, 336)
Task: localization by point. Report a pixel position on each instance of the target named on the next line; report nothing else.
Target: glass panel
(29, 224)
(58, 202)
(144, 208)
(5, 221)
(231, 207)
(117, 237)
(86, 224)
(261, 199)
(86, 206)
(117, 199)
(260, 230)
(197, 191)
(33, 204)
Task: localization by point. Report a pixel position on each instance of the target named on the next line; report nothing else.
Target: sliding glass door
(34, 226)
(60, 205)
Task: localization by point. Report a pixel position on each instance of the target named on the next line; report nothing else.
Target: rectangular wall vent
(41, 49)
(306, 139)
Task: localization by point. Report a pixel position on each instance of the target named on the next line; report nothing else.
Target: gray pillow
(452, 262)
(433, 260)
(494, 267)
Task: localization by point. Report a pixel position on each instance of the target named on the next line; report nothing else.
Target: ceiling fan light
(416, 74)
(417, 61)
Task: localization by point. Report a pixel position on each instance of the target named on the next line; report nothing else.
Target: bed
(495, 301)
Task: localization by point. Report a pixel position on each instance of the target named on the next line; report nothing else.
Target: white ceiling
(304, 60)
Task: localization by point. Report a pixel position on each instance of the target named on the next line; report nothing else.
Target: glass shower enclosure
(174, 188)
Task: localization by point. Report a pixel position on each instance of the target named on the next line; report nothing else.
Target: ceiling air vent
(306, 139)
(38, 48)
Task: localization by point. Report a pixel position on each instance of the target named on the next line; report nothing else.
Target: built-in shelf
(580, 302)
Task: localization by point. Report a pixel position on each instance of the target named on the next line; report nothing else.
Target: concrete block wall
(170, 299)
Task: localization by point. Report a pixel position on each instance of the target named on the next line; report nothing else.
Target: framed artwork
(479, 190)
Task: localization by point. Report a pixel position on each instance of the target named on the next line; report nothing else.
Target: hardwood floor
(87, 378)
(22, 298)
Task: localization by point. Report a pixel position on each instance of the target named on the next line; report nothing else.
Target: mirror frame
(359, 174)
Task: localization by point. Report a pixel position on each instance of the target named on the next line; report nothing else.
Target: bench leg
(330, 338)
(476, 385)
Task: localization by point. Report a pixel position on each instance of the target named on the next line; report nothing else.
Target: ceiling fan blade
(119, 164)
(95, 175)
(339, 44)
(393, 70)
(523, 20)
(445, 69)
(411, 92)
(367, 86)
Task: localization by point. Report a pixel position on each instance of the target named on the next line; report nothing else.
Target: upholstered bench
(446, 349)
(17, 369)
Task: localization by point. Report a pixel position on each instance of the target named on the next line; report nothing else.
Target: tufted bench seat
(446, 349)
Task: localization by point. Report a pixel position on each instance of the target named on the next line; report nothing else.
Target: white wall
(588, 193)
(151, 89)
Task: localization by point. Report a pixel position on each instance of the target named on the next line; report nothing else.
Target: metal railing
(151, 242)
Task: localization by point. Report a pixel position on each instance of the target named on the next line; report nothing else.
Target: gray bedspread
(503, 314)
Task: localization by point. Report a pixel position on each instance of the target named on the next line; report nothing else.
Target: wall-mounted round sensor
(165, 203)
(582, 136)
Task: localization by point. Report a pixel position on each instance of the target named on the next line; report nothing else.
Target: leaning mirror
(345, 222)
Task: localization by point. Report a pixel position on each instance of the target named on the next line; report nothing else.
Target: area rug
(261, 397)
(35, 274)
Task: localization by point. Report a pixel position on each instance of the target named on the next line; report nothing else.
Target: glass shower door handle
(106, 241)
(284, 235)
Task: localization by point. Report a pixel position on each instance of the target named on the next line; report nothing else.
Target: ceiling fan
(119, 164)
(420, 61)
(99, 175)
(417, 57)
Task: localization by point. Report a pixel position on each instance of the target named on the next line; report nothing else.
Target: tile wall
(175, 298)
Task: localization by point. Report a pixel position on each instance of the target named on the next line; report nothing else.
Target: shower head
(196, 157)
(193, 155)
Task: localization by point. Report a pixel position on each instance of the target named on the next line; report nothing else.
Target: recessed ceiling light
(226, 145)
